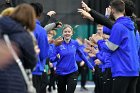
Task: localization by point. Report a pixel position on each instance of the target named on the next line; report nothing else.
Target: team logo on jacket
(72, 46)
(62, 47)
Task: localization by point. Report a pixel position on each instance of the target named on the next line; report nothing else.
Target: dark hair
(118, 5)
(129, 7)
(129, 11)
(25, 15)
(38, 8)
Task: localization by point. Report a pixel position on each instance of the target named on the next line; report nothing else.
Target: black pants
(40, 82)
(124, 85)
(138, 85)
(44, 82)
(83, 71)
(70, 80)
(98, 80)
(52, 79)
(37, 82)
(107, 81)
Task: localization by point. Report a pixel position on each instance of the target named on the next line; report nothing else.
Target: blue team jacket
(41, 37)
(104, 57)
(51, 50)
(138, 45)
(122, 43)
(78, 58)
(67, 62)
(106, 30)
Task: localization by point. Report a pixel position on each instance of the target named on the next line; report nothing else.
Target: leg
(132, 85)
(51, 80)
(120, 84)
(61, 84)
(97, 80)
(84, 76)
(107, 81)
(72, 82)
(138, 85)
(37, 82)
(44, 82)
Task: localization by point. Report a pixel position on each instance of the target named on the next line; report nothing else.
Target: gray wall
(66, 10)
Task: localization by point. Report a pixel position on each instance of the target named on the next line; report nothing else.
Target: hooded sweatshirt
(122, 44)
(138, 45)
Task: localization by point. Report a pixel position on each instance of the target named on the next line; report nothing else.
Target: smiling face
(67, 33)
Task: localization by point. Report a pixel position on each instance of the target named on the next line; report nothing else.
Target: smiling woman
(67, 69)
(67, 32)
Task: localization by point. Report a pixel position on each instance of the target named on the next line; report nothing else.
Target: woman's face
(67, 33)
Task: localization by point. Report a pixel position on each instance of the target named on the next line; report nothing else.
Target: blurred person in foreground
(18, 27)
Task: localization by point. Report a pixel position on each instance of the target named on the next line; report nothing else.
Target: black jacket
(11, 79)
(101, 19)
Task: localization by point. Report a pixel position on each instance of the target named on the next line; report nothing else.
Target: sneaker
(84, 88)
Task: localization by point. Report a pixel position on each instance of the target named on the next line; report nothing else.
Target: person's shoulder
(73, 41)
(117, 24)
(39, 29)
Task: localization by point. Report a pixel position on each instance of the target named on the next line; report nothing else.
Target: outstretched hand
(58, 24)
(96, 38)
(97, 62)
(108, 11)
(85, 14)
(51, 13)
(58, 41)
(85, 6)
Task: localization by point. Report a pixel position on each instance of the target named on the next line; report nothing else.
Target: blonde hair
(8, 11)
(52, 32)
(67, 26)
